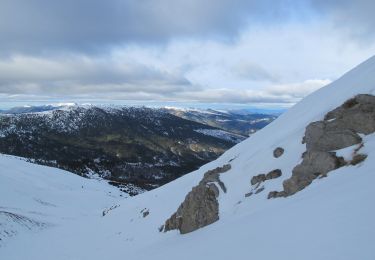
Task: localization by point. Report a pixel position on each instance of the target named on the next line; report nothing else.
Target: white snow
(348, 152)
(333, 218)
(220, 134)
(202, 111)
(46, 196)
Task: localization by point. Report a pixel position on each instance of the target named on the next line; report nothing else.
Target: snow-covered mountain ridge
(141, 147)
(241, 122)
(330, 219)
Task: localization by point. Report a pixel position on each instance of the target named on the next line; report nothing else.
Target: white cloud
(268, 64)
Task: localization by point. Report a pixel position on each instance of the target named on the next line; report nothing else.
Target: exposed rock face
(259, 190)
(200, 207)
(357, 114)
(273, 174)
(263, 177)
(339, 129)
(213, 176)
(329, 135)
(314, 164)
(278, 152)
(257, 179)
(276, 194)
(358, 158)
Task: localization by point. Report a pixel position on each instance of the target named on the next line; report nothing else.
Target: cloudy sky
(265, 53)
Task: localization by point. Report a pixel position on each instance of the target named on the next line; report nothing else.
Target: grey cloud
(89, 25)
(287, 94)
(252, 71)
(355, 18)
(44, 29)
(83, 75)
(279, 94)
(282, 94)
(93, 25)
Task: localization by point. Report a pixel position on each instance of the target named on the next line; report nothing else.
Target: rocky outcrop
(200, 207)
(273, 174)
(259, 190)
(258, 179)
(276, 194)
(329, 136)
(278, 152)
(358, 158)
(213, 176)
(339, 129)
(263, 177)
(314, 164)
(357, 114)
(145, 212)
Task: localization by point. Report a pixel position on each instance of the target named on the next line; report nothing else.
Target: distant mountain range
(241, 122)
(136, 148)
(37, 109)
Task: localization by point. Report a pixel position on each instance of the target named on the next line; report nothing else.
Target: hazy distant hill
(241, 122)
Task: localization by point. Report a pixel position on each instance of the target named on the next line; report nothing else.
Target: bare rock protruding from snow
(212, 176)
(341, 126)
(273, 174)
(264, 177)
(339, 129)
(145, 212)
(258, 179)
(314, 164)
(357, 113)
(276, 194)
(200, 207)
(278, 152)
(358, 158)
(329, 135)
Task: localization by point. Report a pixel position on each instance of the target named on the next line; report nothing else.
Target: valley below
(136, 149)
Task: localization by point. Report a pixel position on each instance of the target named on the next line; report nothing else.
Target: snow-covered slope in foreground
(333, 218)
(34, 198)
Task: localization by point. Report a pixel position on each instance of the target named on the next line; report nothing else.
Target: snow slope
(34, 197)
(330, 219)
